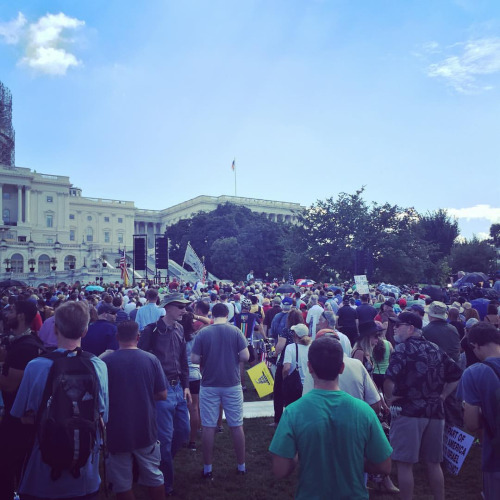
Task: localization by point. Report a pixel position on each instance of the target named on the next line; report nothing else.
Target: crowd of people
(359, 380)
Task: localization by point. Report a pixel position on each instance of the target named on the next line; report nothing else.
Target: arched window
(44, 264)
(68, 260)
(90, 234)
(17, 263)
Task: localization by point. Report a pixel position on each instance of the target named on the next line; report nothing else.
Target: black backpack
(68, 417)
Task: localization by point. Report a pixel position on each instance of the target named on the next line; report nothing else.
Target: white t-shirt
(290, 355)
(312, 318)
(355, 380)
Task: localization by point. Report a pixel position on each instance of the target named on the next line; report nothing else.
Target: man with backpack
(20, 347)
(165, 339)
(65, 394)
(479, 389)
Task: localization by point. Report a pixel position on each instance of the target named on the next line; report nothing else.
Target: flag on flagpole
(233, 166)
(123, 267)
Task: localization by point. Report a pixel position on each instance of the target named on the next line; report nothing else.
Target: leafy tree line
(335, 238)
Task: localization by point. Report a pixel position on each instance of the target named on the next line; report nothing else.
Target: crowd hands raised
(352, 373)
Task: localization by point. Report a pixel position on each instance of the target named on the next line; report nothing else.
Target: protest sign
(361, 284)
(456, 445)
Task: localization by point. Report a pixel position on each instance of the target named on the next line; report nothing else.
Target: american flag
(233, 166)
(123, 267)
(290, 277)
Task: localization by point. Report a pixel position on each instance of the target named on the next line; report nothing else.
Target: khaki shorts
(120, 468)
(416, 439)
(231, 399)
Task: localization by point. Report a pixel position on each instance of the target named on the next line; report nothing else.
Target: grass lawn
(259, 483)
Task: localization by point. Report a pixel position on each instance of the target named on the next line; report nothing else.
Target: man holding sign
(480, 391)
(220, 348)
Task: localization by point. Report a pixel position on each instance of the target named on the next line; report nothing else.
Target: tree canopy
(335, 238)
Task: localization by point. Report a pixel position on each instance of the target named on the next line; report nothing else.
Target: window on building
(106, 237)
(72, 235)
(120, 220)
(89, 218)
(90, 234)
(72, 216)
(17, 263)
(43, 264)
(120, 237)
(6, 196)
(21, 238)
(50, 199)
(6, 215)
(50, 220)
(49, 240)
(106, 219)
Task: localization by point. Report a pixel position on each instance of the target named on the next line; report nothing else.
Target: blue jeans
(173, 430)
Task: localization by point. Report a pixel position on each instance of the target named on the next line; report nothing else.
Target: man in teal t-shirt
(335, 437)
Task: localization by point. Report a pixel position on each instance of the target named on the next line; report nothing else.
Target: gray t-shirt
(219, 347)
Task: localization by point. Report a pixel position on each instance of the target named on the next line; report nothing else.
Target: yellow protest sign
(261, 379)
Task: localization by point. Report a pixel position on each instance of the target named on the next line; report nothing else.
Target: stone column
(27, 191)
(19, 204)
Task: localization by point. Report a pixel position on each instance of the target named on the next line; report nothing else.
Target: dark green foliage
(233, 240)
(473, 255)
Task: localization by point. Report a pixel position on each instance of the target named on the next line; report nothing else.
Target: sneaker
(220, 428)
(208, 476)
(191, 446)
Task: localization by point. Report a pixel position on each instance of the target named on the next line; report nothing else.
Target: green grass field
(259, 483)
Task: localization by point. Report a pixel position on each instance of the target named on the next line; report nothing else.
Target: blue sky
(151, 101)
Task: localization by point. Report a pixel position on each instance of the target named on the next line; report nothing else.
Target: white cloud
(462, 71)
(13, 30)
(491, 214)
(46, 49)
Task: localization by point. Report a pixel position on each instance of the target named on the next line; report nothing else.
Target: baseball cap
(106, 308)
(300, 330)
(408, 317)
(287, 302)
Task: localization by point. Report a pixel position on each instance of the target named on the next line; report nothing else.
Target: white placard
(362, 284)
(456, 445)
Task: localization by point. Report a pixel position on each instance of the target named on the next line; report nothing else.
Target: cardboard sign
(362, 284)
(261, 379)
(456, 445)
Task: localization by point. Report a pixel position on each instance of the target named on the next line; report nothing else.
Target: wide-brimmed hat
(458, 306)
(369, 328)
(437, 310)
(171, 298)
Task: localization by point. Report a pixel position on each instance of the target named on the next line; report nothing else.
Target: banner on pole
(261, 379)
(194, 261)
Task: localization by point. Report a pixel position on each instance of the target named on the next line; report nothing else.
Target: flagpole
(234, 169)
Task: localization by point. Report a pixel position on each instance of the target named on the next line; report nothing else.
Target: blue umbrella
(94, 288)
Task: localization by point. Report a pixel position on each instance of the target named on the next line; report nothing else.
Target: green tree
(257, 241)
(495, 234)
(473, 256)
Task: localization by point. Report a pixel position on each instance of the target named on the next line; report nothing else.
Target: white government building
(49, 231)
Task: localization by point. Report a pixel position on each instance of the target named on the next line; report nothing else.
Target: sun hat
(177, 298)
(437, 310)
